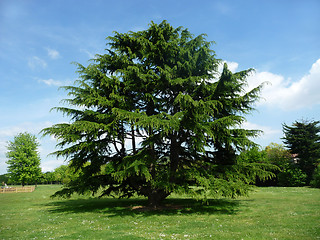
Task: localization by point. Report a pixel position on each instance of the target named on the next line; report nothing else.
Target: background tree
(152, 116)
(60, 174)
(289, 174)
(303, 138)
(64, 174)
(278, 155)
(4, 178)
(23, 159)
(269, 156)
(48, 178)
(285, 172)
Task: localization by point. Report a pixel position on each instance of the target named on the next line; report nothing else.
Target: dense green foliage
(4, 178)
(23, 159)
(61, 175)
(152, 116)
(292, 176)
(286, 173)
(315, 182)
(48, 178)
(289, 175)
(278, 155)
(303, 139)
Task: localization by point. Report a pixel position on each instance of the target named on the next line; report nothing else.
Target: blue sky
(40, 38)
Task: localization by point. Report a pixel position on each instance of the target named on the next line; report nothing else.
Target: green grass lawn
(269, 213)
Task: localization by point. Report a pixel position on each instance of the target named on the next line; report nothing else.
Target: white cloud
(286, 94)
(274, 84)
(53, 54)
(233, 66)
(35, 62)
(268, 132)
(51, 82)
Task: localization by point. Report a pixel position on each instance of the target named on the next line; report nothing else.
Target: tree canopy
(23, 159)
(153, 116)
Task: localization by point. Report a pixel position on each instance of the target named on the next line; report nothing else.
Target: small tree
(289, 175)
(277, 154)
(152, 116)
(23, 159)
(303, 139)
(60, 174)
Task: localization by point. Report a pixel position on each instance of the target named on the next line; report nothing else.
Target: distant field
(269, 213)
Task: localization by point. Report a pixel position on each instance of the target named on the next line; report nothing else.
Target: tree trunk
(133, 139)
(174, 157)
(156, 197)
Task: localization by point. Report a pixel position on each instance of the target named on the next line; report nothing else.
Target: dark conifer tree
(152, 116)
(303, 139)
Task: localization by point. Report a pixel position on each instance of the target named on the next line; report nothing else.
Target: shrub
(292, 176)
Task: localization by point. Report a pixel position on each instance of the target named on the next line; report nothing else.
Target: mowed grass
(268, 213)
